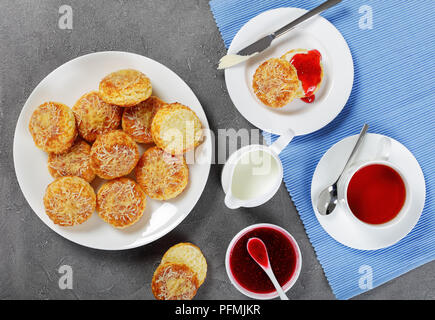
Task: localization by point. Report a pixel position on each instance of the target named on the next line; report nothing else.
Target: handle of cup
(384, 149)
(279, 145)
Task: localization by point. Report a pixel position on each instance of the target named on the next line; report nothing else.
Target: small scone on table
(76, 162)
(176, 129)
(69, 201)
(94, 116)
(136, 121)
(121, 202)
(114, 155)
(173, 281)
(125, 88)
(161, 175)
(53, 127)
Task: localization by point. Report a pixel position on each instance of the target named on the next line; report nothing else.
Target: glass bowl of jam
(248, 277)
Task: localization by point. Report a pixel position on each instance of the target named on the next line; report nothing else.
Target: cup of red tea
(375, 192)
(248, 277)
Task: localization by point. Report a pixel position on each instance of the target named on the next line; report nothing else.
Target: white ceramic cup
(273, 150)
(382, 158)
(286, 287)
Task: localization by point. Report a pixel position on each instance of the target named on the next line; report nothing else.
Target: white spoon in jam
(258, 251)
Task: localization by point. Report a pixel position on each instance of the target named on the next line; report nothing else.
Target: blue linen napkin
(393, 92)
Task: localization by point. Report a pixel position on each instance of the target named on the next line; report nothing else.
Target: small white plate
(317, 33)
(340, 224)
(67, 84)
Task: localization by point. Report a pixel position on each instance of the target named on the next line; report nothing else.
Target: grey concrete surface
(182, 35)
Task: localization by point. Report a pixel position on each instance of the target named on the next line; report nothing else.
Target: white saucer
(317, 33)
(340, 224)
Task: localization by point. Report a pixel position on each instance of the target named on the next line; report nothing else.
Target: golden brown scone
(136, 121)
(114, 155)
(191, 256)
(95, 117)
(53, 127)
(121, 202)
(69, 201)
(288, 56)
(161, 175)
(75, 162)
(125, 88)
(275, 83)
(174, 282)
(176, 129)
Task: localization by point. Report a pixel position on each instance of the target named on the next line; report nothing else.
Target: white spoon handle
(277, 286)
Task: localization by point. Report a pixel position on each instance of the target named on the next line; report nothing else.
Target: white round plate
(67, 84)
(340, 224)
(317, 33)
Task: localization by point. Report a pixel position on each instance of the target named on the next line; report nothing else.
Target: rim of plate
(155, 236)
(308, 118)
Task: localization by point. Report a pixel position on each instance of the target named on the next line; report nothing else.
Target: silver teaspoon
(327, 200)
